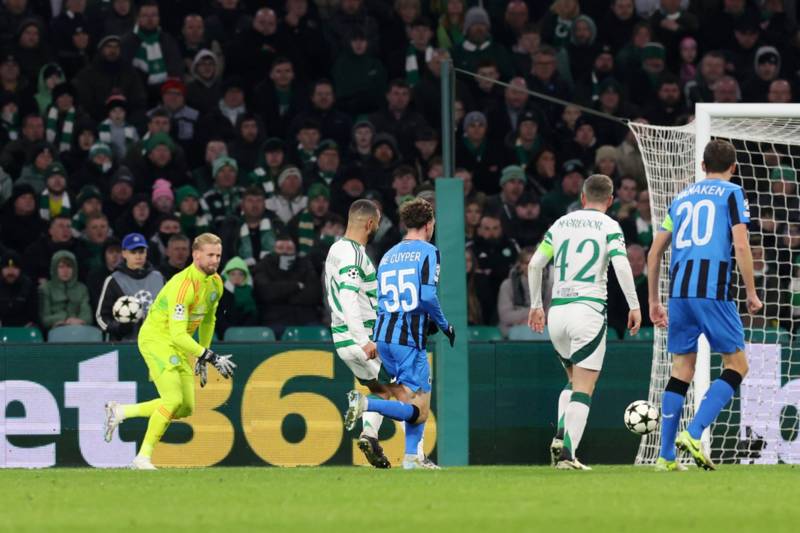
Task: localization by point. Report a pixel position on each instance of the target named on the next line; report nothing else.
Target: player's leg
(187, 392)
(368, 441)
(682, 335)
(576, 415)
(557, 322)
(170, 389)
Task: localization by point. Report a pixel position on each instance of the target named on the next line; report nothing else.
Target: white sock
(371, 423)
(421, 448)
(575, 421)
(563, 401)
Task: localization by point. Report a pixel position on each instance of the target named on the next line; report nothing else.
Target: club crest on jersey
(353, 274)
(180, 312)
(213, 296)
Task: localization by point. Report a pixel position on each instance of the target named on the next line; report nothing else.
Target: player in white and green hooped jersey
(351, 287)
(582, 244)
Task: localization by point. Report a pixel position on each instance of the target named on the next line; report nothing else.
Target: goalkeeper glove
(450, 333)
(222, 363)
(432, 328)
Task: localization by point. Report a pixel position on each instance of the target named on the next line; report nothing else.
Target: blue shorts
(718, 320)
(406, 365)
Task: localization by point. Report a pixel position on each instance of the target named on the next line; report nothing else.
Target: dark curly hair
(416, 213)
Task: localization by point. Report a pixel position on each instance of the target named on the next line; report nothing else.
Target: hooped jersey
(581, 244)
(701, 218)
(348, 268)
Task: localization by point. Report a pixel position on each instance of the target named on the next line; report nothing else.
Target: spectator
(726, 91)
(544, 78)
(478, 45)
(669, 105)
(418, 52)
(487, 93)
(475, 287)
(162, 199)
(780, 92)
(528, 226)
(308, 137)
(161, 161)
(359, 77)
(503, 204)
(15, 153)
(70, 35)
(11, 16)
(767, 69)
(645, 83)
(617, 306)
(135, 277)
(120, 193)
(272, 157)
(522, 51)
(63, 300)
(625, 202)
(183, 117)
(289, 201)
(581, 50)
(19, 89)
(153, 52)
(687, 70)
(385, 158)
(256, 237)
(62, 118)
(638, 228)
(280, 97)
(617, 26)
(225, 197)
(605, 162)
(157, 122)
(237, 306)
(138, 219)
(556, 202)
(495, 253)
(55, 199)
(306, 226)
(20, 224)
(541, 171)
(526, 142)
(112, 255)
(712, 68)
(557, 24)
(629, 158)
(333, 124)
(351, 16)
(350, 186)
(98, 169)
(193, 221)
(333, 229)
(478, 154)
(404, 181)
(302, 29)
(117, 18)
(360, 147)
(287, 288)
(427, 95)
(448, 32)
(584, 143)
(326, 165)
(166, 227)
(246, 147)
(49, 75)
(426, 152)
(94, 237)
(742, 53)
(251, 53)
(514, 298)
(203, 176)
(670, 24)
(18, 294)
(204, 88)
(40, 157)
(108, 75)
(222, 27)
(176, 256)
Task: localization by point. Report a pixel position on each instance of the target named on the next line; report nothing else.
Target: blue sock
(393, 409)
(413, 436)
(671, 407)
(718, 395)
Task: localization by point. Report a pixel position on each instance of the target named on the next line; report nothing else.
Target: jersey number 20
(692, 217)
(393, 291)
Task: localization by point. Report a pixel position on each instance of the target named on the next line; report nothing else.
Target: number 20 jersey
(402, 272)
(700, 219)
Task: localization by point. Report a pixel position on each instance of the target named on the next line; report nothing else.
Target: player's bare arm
(744, 260)
(661, 242)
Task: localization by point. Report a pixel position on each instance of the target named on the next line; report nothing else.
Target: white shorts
(578, 333)
(364, 369)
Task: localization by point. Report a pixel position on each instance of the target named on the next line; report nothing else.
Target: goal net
(760, 425)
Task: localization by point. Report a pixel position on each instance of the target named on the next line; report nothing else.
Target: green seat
(21, 335)
(524, 333)
(249, 334)
(645, 334)
(768, 336)
(484, 333)
(307, 334)
(75, 334)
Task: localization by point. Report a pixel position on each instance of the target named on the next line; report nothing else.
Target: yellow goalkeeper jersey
(187, 302)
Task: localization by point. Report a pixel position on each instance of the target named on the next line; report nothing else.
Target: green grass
(508, 499)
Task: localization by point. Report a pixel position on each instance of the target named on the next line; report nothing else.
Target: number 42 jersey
(700, 219)
(582, 243)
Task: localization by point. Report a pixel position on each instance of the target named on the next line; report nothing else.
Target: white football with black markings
(127, 309)
(641, 417)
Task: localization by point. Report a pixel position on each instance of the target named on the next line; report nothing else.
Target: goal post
(760, 425)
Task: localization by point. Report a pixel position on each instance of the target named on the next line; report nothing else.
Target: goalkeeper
(187, 302)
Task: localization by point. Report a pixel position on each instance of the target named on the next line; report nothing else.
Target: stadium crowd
(128, 128)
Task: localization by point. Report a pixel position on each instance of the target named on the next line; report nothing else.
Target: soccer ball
(641, 417)
(127, 309)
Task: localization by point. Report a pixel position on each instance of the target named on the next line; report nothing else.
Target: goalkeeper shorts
(578, 333)
(159, 356)
(718, 320)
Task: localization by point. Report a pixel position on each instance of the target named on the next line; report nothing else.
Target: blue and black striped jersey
(407, 278)
(700, 219)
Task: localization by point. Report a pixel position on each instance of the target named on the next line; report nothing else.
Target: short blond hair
(205, 238)
(598, 188)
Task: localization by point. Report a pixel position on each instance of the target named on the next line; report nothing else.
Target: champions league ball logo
(145, 298)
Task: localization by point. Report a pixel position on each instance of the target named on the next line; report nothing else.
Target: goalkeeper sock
(718, 395)
(413, 436)
(159, 421)
(137, 409)
(671, 407)
(404, 412)
(575, 417)
(563, 401)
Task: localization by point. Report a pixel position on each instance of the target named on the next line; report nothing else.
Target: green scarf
(525, 155)
(284, 101)
(104, 133)
(64, 136)
(11, 124)
(412, 64)
(44, 206)
(306, 233)
(447, 36)
(149, 58)
(266, 235)
(194, 225)
(476, 151)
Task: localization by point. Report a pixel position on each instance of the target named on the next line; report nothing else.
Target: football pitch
(356, 499)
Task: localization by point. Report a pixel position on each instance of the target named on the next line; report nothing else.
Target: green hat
(224, 161)
(88, 192)
(405, 198)
(318, 189)
(653, 50)
(783, 173)
(327, 144)
(185, 192)
(512, 172)
(158, 139)
(55, 168)
(99, 148)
